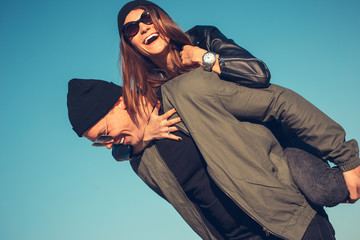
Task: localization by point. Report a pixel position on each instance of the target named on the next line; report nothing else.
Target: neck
(165, 63)
(148, 111)
(140, 147)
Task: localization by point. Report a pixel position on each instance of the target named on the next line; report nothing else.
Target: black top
(186, 163)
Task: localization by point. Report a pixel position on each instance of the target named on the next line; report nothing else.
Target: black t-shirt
(186, 163)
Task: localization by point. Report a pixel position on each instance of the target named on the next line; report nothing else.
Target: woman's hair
(139, 72)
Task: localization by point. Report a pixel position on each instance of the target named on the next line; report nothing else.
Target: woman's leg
(321, 184)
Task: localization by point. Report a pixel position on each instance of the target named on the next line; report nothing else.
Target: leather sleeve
(236, 63)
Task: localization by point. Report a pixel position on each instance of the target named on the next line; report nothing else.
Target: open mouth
(151, 38)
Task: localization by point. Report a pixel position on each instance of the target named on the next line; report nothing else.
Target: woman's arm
(233, 62)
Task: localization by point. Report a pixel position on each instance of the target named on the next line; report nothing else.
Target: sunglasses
(121, 151)
(130, 29)
(103, 138)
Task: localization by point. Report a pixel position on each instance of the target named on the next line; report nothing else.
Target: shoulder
(200, 32)
(197, 83)
(187, 82)
(201, 28)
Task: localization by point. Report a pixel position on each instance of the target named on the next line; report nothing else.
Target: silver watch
(208, 59)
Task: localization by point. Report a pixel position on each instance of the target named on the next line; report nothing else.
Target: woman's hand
(192, 55)
(160, 127)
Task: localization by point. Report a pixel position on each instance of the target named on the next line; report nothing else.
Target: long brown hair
(139, 72)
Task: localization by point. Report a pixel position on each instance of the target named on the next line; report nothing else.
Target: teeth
(150, 36)
(122, 140)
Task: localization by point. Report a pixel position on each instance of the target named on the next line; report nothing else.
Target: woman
(162, 51)
(155, 50)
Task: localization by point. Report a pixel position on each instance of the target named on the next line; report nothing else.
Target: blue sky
(53, 185)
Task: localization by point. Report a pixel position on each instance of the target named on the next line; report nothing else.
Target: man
(235, 182)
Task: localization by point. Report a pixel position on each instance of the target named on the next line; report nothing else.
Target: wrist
(147, 138)
(147, 135)
(199, 56)
(209, 60)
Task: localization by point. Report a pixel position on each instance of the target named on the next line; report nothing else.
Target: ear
(121, 103)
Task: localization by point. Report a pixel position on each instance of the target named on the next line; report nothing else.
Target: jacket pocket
(270, 172)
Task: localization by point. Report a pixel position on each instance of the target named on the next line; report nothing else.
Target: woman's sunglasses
(132, 28)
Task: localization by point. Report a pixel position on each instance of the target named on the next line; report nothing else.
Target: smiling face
(120, 126)
(148, 41)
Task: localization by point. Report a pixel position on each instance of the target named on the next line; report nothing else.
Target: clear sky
(53, 185)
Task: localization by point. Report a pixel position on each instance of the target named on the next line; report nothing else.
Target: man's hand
(352, 179)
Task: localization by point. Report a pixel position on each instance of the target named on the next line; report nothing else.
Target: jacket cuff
(350, 165)
(247, 72)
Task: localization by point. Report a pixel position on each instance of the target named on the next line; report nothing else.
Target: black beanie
(88, 101)
(128, 7)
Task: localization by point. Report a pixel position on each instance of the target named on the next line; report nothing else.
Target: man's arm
(311, 125)
(297, 114)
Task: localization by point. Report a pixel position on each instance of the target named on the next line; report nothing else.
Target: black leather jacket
(236, 64)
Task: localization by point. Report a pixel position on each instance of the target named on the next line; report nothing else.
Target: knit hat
(88, 101)
(128, 7)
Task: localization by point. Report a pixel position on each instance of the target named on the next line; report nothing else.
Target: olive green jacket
(243, 157)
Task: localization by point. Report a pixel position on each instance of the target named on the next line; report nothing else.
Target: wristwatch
(208, 59)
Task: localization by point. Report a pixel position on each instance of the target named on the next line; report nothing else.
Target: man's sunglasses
(130, 29)
(103, 138)
(121, 151)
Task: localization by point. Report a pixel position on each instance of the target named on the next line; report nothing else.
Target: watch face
(209, 57)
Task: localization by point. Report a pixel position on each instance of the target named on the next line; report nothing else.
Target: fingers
(167, 134)
(354, 195)
(174, 121)
(352, 179)
(169, 113)
(156, 108)
(351, 201)
(173, 129)
(182, 58)
(173, 137)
